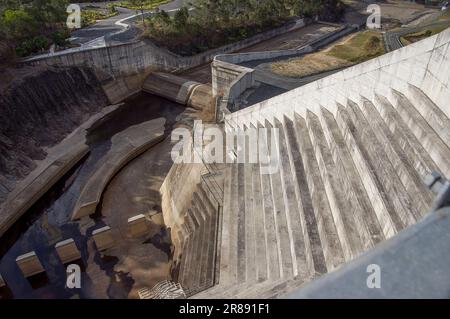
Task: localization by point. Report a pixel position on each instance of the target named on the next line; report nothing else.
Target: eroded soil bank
(133, 263)
(38, 108)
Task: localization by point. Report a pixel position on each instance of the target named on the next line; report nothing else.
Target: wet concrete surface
(48, 222)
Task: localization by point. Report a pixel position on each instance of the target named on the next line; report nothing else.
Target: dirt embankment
(38, 108)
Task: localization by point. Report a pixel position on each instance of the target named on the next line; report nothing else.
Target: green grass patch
(445, 16)
(359, 48)
(417, 36)
(147, 5)
(363, 46)
(89, 17)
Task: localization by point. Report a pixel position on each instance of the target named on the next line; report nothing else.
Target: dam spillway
(48, 221)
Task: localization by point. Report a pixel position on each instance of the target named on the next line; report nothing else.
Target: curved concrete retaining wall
(180, 90)
(144, 56)
(126, 146)
(169, 86)
(201, 98)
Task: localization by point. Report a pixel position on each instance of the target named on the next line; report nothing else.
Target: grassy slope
(149, 5)
(89, 17)
(356, 49)
(428, 31)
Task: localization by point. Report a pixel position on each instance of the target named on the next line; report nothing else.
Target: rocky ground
(38, 108)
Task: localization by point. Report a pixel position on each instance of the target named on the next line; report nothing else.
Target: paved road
(115, 30)
(125, 19)
(392, 38)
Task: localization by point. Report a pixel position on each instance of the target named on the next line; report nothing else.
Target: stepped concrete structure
(199, 234)
(354, 149)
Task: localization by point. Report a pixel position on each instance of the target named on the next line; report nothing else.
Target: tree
(181, 18)
(139, 4)
(17, 23)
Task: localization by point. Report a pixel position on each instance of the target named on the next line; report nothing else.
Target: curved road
(112, 25)
(115, 30)
(392, 38)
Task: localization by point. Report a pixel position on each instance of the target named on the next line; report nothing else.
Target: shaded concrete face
(103, 238)
(67, 251)
(137, 226)
(29, 264)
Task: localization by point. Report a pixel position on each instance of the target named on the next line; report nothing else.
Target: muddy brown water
(48, 221)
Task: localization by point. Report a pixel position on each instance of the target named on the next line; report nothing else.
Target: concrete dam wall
(353, 151)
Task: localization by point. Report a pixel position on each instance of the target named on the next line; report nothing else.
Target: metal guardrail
(441, 187)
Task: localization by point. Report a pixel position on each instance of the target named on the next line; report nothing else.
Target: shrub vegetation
(213, 23)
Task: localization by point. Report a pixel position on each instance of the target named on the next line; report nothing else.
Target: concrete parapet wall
(424, 64)
(227, 75)
(126, 146)
(144, 56)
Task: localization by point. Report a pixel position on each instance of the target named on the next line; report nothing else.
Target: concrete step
(435, 117)
(284, 233)
(261, 250)
(412, 181)
(271, 290)
(427, 136)
(341, 208)
(183, 261)
(210, 270)
(368, 225)
(345, 183)
(241, 261)
(231, 270)
(410, 145)
(206, 239)
(294, 222)
(193, 272)
(184, 277)
(331, 245)
(378, 194)
(189, 222)
(250, 231)
(273, 247)
(225, 231)
(400, 199)
(187, 250)
(313, 247)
